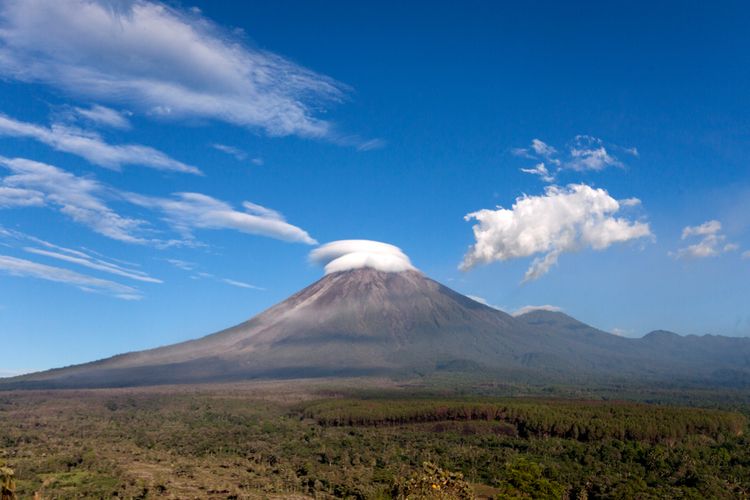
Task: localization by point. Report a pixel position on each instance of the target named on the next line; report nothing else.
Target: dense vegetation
(301, 441)
(580, 420)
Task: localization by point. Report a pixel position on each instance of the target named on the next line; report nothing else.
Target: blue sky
(165, 169)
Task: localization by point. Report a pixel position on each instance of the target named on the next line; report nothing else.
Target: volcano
(366, 321)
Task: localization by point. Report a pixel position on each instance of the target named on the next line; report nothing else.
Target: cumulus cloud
(188, 211)
(527, 309)
(79, 198)
(560, 220)
(92, 147)
(26, 268)
(583, 153)
(160, 60)
(344, 255)
(102, 115)
(708, 228)
(711, 243)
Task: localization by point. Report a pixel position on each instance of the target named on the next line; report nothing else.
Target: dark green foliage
(579, 420)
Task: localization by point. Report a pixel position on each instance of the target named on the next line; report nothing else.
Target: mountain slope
(369, 322)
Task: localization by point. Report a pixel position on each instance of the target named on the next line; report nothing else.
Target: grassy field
(372, 439)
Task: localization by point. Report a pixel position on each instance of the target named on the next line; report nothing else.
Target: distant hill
(369, 322)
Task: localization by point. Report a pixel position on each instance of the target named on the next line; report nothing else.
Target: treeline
(579, 420)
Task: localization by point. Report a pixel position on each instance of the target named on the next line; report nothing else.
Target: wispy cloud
(746, 254)
(85, 260)
(84, 257)
(18, 197)
(711, 244)
(198, 275)
(188, 211)
(584, 153)
(240, 284)
(540, 169)
(92, 147)
(182, 264)
(83, 200)
(370, 144)
(26, 268)
(589, 153)
(102, 115)
(561, 220)
(238, 154)
(79, 198)
(163, 61)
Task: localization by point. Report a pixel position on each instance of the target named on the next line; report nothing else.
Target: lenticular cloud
(344, 255)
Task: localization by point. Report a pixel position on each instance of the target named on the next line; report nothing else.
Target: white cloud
(711, 244)
(102, 115)
(630, 202)
(188, 211)
(746, 254)
(162, 61)
(344, 255)
(527, 309)
(182, 264)
(543, 149)
(541, 170)
(370, 145)
(589, 153)
(561, 220)
(189, 266)
(17, 197)
(584, 153)
(92, 147)
(240, 284)
(707, 228)
(82, 199)
(26, 268)
(238, 154)
(79, 198)
(82, 259)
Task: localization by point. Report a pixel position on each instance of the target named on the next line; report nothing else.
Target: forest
(360, 440)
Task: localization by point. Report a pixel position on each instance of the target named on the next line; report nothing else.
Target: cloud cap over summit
(344, 255)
